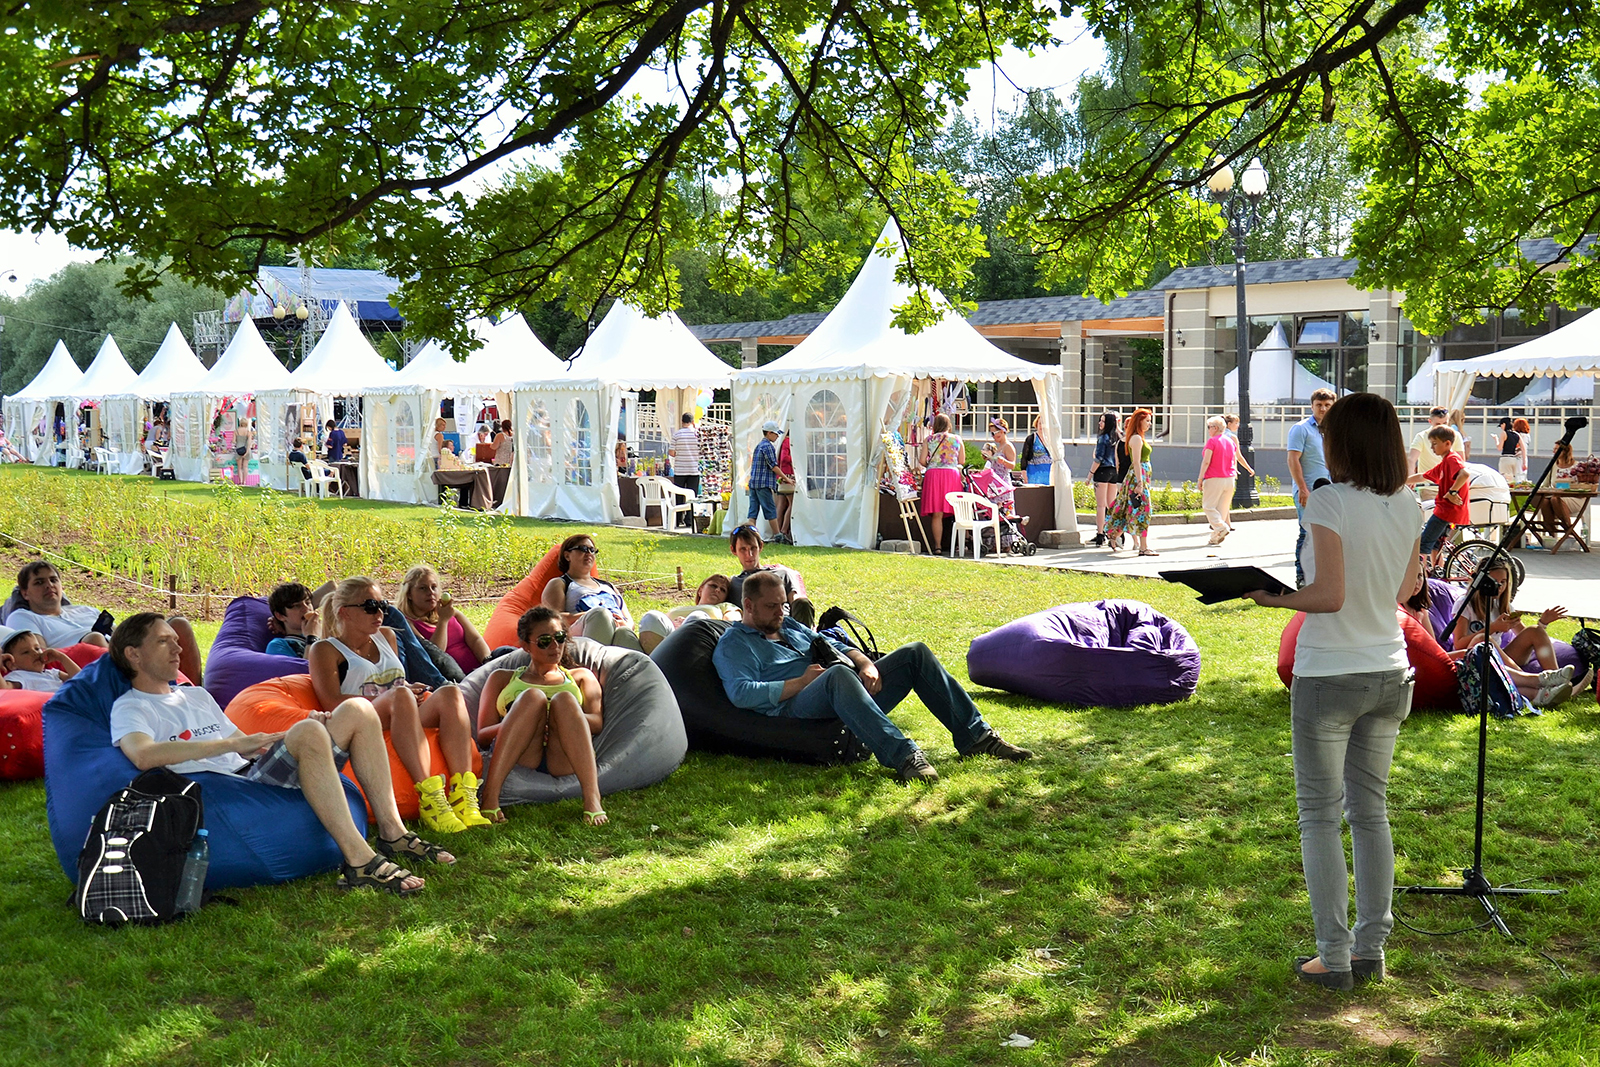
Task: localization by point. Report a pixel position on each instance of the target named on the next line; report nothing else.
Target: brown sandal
(378, 873)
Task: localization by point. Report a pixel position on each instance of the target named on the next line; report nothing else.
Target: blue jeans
(1299, 545)
(909, 668)
(1434, 531)
(1344, 734)
(762, 502)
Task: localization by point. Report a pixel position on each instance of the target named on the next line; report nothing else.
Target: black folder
(1216, 584)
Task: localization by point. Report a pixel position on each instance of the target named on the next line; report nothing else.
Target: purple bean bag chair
(238, 659)
(1443, 600)
(1111, 653)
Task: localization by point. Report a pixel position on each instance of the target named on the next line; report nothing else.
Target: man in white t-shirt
(158, 724)
(686, 455)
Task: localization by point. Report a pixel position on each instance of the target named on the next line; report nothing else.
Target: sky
(995, 87)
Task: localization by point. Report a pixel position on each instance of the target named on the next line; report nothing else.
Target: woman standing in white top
(360, 658)
(1352, 682)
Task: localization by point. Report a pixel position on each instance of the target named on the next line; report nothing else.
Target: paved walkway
(1569, 578)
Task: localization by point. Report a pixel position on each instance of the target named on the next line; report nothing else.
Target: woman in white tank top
(361, 658)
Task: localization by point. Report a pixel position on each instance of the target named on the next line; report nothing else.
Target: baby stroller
(997, 489)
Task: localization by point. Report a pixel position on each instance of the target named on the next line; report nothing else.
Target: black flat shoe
(1344, 981)
(1366, 971)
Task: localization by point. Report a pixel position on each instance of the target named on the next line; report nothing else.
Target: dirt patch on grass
(1340, 1024)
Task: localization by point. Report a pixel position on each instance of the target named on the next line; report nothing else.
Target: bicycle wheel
(1464, 558)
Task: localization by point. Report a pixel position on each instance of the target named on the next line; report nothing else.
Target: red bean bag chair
(502, 628)
(22, 723)
(279, 703)
(22, 734)
(1436, 671)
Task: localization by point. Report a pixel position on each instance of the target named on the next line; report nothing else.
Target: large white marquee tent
(247, 367)
(1573, 351)
(173, 368)
(343, 364)
(396, 461)
(568, 420)
(28, 412)
(854, 379)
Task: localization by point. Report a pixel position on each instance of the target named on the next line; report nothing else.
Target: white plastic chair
(323, 478)
(160, 459)
(968, 507)
(99, 461)
(656, 492)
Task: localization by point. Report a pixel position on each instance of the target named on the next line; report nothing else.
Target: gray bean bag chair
(641, 742)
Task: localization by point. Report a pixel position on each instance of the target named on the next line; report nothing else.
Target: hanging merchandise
(897, 473)
(716, 458)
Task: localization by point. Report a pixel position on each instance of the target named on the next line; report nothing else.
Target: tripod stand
(1473, 882)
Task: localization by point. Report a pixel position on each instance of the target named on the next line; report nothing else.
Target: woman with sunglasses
(589, 605)
(360, 658)
(544, 716)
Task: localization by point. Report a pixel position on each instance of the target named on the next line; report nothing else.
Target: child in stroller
(995, 487)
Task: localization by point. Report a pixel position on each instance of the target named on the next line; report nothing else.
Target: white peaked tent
(108, 373)
(29, 413)
(1572, 351)
(246, 368)
(1275, 376)
(174, 367)
(398, 462)
(1561, 390)
(569, 420)
(343, 364)
(854, 379)
(1419, 387)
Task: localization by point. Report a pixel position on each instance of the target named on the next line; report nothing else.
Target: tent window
(580, 445)
(826, 434)
(405, 437)
(538, 440)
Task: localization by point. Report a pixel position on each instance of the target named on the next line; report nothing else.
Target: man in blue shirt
(764, 475)
(1307, 465)
(765, 663)
(336, 443)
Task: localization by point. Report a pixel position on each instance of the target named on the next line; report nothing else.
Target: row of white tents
(840, 392)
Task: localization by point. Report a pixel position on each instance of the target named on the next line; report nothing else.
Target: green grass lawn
(1132, 896)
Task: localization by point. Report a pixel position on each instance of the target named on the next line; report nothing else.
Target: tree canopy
(502, 152)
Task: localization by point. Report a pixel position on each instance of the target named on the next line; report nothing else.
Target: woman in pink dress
(941, 456)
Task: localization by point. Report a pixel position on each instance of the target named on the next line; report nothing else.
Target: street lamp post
(1241, 211)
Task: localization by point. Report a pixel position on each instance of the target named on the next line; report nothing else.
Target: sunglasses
(546, 640)
(372, 606)
(588, 550)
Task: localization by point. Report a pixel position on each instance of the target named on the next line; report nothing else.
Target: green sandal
(372, 875)
(595, 818)
(494, 815)
(413, 847)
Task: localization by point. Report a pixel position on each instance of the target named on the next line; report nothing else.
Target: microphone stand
(1473, 882)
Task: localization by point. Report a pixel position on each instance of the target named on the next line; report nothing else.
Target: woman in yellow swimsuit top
(543, 716)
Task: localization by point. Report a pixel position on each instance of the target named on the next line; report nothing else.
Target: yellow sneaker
(464, 799)
(434, 807)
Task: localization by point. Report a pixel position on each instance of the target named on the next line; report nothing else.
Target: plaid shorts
(279, 767)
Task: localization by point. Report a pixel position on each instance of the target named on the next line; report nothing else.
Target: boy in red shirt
(1450, 506)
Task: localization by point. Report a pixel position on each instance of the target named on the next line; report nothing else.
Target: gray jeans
(1344, 733)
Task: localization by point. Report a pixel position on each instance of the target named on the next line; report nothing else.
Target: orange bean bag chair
(502, 628)
(1436, 672)
(279, 703)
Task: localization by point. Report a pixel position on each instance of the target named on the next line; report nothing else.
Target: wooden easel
(908, 514)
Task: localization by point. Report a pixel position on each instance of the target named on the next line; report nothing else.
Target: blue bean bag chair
(258, 833)
(238, 657)
(1111, 653)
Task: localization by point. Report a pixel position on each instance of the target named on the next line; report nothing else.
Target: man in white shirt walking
(686, 455)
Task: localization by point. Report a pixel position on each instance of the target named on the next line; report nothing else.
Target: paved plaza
(1570, 577)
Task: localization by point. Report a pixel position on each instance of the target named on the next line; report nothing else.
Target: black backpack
(847, 627)
(132, 862)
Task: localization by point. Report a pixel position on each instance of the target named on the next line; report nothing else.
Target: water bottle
(195, 865)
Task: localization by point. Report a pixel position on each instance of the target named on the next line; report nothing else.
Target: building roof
(1267, 272)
